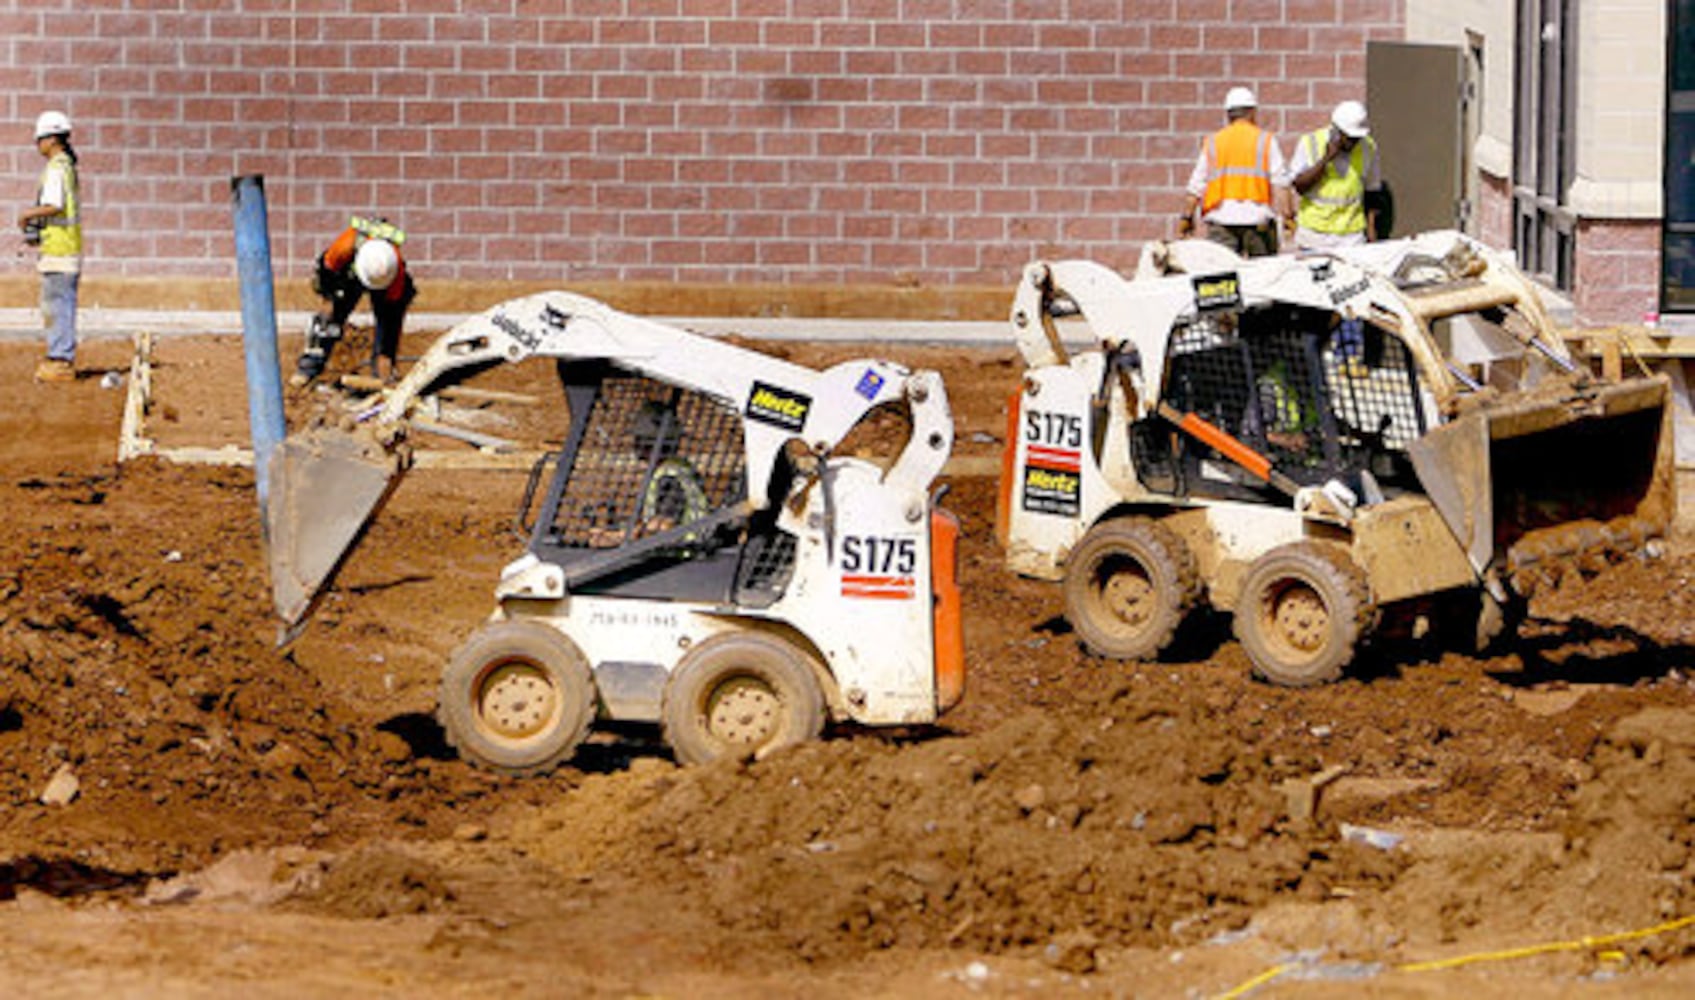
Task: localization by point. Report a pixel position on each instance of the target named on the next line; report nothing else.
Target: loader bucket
(1573, 470)
(325, 487)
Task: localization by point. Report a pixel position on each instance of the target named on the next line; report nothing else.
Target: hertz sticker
(1217, 291)
(779, 407)
(1051, 490)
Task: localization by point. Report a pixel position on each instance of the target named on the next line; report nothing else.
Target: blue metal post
(258, 325)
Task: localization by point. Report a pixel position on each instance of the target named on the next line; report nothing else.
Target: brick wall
(1618, 270)
(1494, 210)
(791, 141)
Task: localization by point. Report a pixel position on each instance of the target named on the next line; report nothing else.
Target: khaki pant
(1248, 241)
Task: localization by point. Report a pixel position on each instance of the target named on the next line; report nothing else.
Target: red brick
(1613, 236)
(1292, 36)
(1317, 66)
(1314, 11)
(898, 35)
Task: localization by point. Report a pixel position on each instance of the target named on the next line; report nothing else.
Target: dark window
(1677, 268)
(1545, 103)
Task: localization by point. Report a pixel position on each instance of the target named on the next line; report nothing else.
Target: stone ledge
(962, 302)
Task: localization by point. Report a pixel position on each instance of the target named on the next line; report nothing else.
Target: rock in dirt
(1031, 798)
(1072, 952)
(250, 877)
(62, 788)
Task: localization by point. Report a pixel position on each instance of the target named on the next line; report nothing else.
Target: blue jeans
(59, 313)
(1350, 339)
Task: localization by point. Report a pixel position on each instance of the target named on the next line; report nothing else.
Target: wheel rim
(744, 711)
(1125, 594)
(517, 700)
(1298, 618)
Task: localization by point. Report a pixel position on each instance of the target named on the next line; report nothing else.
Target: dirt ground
(291, 823)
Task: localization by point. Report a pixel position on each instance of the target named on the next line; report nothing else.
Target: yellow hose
(1581, 944)
(1256, 982)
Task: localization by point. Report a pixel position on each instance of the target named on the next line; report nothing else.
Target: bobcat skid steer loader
(1311, 442)
(700, 556)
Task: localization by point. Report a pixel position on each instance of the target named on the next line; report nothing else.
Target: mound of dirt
(137, 648)
(1136, 823)
(375, 881)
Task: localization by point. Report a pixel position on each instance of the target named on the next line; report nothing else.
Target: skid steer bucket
(325, 487)
(1575, 470)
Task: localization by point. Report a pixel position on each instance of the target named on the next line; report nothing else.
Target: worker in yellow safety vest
(1333, 168)
(54, 226)
(1239, 182)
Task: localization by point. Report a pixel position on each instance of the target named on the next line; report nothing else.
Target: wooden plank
(485, 441)
(229, 454)
(366, 383)
(456, 460)
(132, 434)
(1643, 342)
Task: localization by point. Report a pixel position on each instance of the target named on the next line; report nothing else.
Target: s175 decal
(879, 568)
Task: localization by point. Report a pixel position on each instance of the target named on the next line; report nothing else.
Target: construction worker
(1285, 412)
(1333, 168)
(53, 225)
(1238, 182)
(364, 258)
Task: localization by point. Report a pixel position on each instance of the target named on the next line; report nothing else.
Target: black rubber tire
(1128, 586)
(518, 698)
(741, 694)
(1302, 611)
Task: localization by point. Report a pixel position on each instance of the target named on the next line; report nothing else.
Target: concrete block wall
(915, 142)
(1618, 271)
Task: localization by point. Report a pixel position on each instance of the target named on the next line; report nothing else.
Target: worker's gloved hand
(321, 338)
(1186, 226)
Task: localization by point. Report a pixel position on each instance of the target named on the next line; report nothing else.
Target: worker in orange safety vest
(364, 260)
(1240, 182)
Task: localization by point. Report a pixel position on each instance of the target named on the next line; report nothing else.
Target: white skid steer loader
(700, 557)
(1313, 442)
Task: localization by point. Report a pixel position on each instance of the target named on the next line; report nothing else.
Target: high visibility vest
(1336, 204)
(338, 256)
(1281, 404)
(61, 235)
(679, 476)
(1238, 165)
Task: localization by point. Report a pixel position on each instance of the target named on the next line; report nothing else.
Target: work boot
(55, 370)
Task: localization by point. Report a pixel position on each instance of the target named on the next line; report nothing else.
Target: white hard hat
(1240, 97)
(376, 264)
(1349, 116)
(52, 123)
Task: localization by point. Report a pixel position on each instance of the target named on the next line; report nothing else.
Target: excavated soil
(188, 810)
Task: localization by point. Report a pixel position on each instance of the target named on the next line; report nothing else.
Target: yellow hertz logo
(1217, 291)
(781, 407)
(1042, 479)
(770, 402)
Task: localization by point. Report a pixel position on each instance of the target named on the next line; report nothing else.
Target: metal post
(258, 326)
